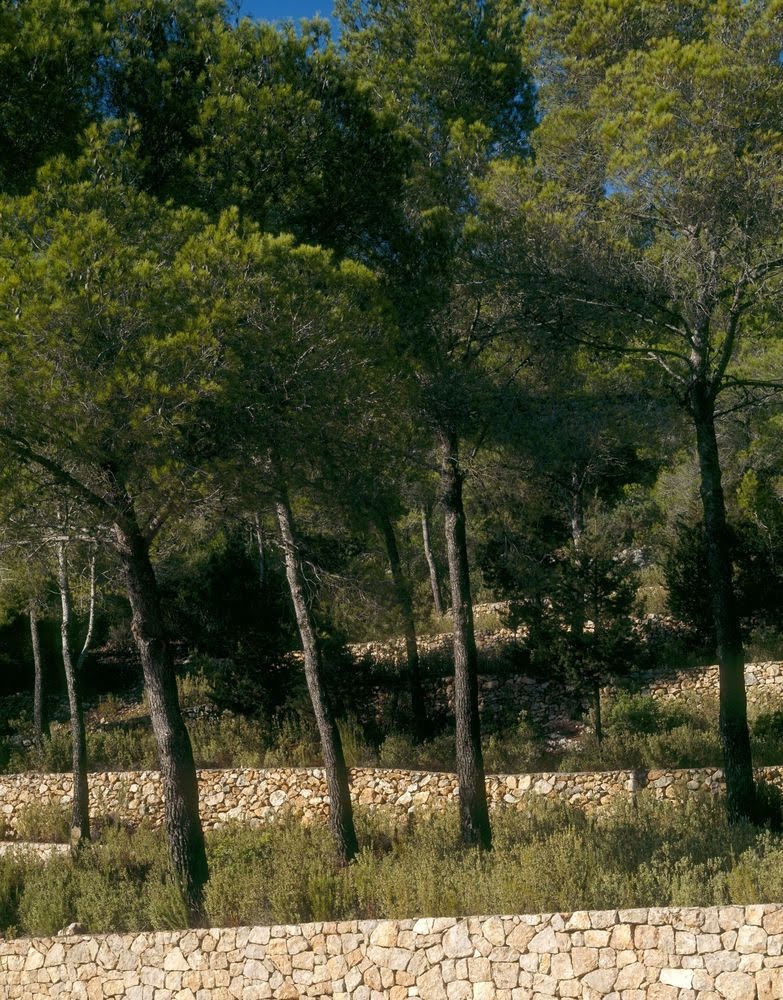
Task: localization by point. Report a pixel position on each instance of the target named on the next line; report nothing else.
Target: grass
(549, 858)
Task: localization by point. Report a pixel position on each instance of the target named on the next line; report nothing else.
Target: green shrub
(194, 687)
(12, 874)
(165, 905)
(44, 822)
(122, 747)
(46, 903)
(227, 741)
(547, 856)
(516, 751)
(53, 755)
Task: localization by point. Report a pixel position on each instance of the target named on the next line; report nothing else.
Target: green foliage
(154, 77)
(548, 857)
(44, 822)
(48, 49)
(284, 129)
(46, 903)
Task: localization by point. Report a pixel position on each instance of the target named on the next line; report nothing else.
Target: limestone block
(736, 986)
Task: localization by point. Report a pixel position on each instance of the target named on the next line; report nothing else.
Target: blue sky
(271, 10)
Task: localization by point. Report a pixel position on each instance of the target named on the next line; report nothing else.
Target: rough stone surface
(494, 958)
(259, 796)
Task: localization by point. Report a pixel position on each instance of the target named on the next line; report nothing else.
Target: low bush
(547, 857)
(44, 822)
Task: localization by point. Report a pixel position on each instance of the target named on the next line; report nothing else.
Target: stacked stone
(726, 953)
(258, 797)
(24, 850)
(763, 681)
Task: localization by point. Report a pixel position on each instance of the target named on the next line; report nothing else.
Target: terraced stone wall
(763, 682)
(262, 795)
(726, 953)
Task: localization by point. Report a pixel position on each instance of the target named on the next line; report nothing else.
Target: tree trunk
(90, 619)
(261, 553)
(40, 715)
(80, 820)
(337, 778)
(175, 753)
(474, 814)
(434, 579)
(735, 738)
(597, 719)
(405, 604)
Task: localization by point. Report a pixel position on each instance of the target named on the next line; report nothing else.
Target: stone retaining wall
(259, 796)
(763, 681)
(726, 953)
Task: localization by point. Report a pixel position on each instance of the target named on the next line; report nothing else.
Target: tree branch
(61, 475)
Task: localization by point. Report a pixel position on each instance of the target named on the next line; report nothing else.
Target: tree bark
(735, 738)
(598, 726)
(80, 819)
(405, 604)
(474, 814)
(437, 600)
(40, 714)
(337, 778)
(261, 553)
(175, 753)
(90, 619)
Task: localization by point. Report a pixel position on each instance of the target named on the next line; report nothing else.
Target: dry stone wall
(261, 796)
(726, 953)
(763, 682)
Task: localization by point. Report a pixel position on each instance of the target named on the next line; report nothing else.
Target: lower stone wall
(726, 953)
(260, 796)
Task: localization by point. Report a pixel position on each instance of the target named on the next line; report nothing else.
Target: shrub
(46, 903)
(44, 822)
(547, 856)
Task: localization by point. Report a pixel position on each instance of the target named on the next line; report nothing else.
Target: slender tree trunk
(175, 753)
(90, 618)
(434, 578)
(80, 821)
(735, 738)
(597, 719)
(576, 514)
(261, 553)
(337, 778)
(405, 604)
(474, 814)
(40, 715)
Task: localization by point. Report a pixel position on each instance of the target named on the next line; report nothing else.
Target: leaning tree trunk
(474, 814)
(735, 738)
(405, 604)
(337, 778)
(40, 715)
(437, 600)
(80, 820)
(175, 753)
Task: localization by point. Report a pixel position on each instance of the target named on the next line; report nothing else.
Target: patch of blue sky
(277, 10)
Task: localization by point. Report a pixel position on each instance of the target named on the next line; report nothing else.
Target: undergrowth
(549, 858)
(639, 732)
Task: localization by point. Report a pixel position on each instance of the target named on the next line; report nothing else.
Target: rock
(71, 929)
(544, 942)
(456, 942)
(736, 986)
(431, 985)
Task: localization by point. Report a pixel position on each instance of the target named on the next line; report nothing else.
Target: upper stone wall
(762, 680)
(259, 796)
